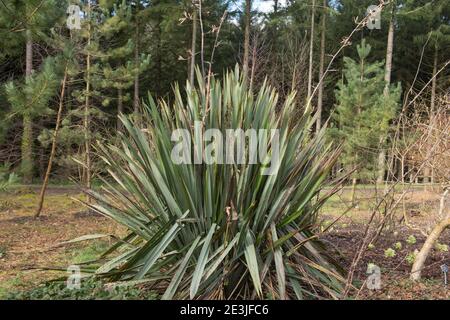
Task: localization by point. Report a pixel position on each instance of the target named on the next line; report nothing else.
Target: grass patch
(89, 253)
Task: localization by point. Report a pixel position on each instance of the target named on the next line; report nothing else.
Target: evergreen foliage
(363, 111)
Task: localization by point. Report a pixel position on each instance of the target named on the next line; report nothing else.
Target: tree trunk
(119, 109)
(253, 69)
(402, 169)
(87, 118)
(433, 83)
(193, 45)
(248, 4)
(352, 197)
(321, 69)
(387, 80)
(158, 58)
(389, 54)
(311, 52)
(432, 238)
(42, 154)
(427, 170)
(53, 150)
(27, 135)
(136, 102)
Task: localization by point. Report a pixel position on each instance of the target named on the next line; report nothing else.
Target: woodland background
(128, 49)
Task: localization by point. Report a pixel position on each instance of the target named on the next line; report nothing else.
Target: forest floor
(27, 243)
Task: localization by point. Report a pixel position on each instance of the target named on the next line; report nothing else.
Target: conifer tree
(29, 100)
(24, 21)
(363, 112)
(118, 65)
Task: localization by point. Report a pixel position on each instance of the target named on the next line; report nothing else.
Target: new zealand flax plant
(219, 231)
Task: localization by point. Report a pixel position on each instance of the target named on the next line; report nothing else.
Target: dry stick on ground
(432, 238)
(53, 150)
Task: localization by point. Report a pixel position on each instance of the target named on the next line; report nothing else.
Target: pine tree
(363, 112)
(30, 100)
(101, 72)
(118, 65)
(76, 130)
(24, 22)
